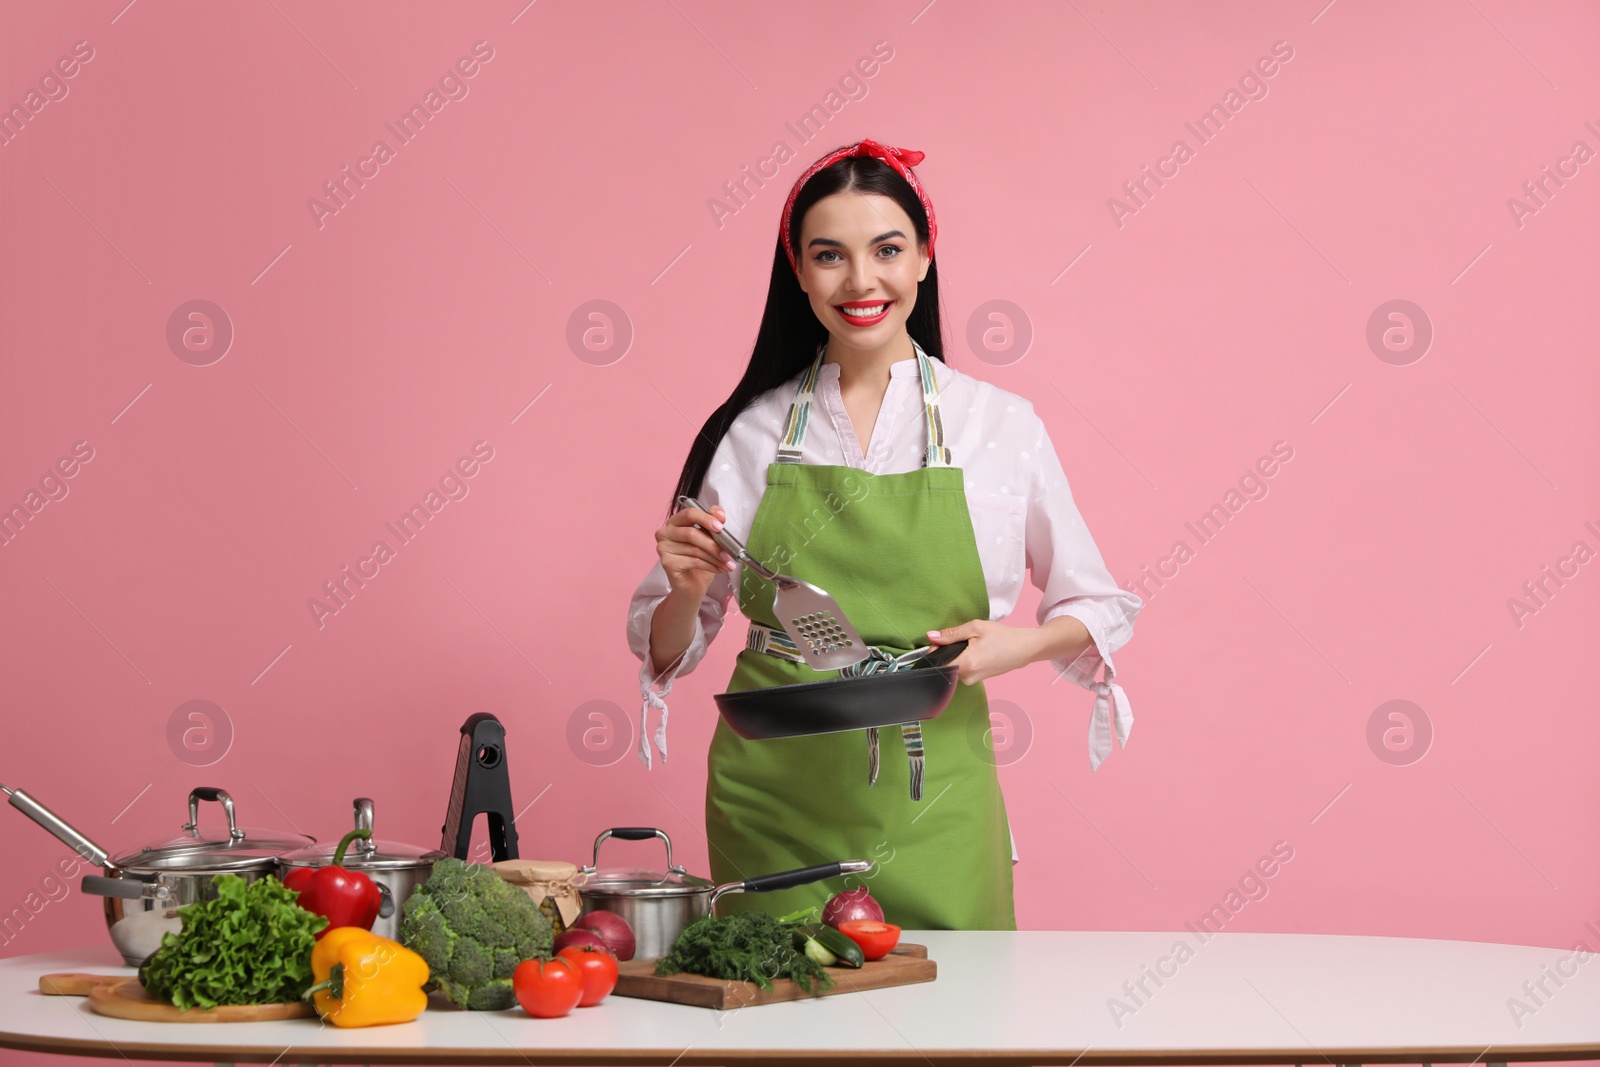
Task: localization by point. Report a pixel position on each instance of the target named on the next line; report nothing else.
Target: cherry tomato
(547, 989)
(599, 970)
(876, 939)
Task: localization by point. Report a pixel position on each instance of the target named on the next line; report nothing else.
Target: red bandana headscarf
(901, 159)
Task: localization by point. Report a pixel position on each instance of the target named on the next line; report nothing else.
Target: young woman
(852, 456)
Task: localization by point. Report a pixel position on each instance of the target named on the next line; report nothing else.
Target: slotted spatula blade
(817, 625)
(811, 617)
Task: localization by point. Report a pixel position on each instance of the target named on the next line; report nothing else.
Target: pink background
(1228, 313)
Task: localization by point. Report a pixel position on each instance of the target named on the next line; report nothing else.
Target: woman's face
(858, 251)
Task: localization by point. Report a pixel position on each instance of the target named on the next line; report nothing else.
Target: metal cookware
(397, 869)
(921, 690)
(810, 616)
(658, 905)
(144, 888)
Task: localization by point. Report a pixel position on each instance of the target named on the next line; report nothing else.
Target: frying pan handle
(729, 543)
(766, 883)
(942, 655)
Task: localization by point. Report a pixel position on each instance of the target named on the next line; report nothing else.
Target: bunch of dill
(748, 946)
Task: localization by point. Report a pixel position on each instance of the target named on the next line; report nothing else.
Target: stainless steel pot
(659, 904)
(144, 888)
(397, 869)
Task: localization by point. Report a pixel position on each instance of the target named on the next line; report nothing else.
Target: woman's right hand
(689, 555)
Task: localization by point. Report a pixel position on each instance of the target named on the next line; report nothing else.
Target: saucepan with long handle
(659, 904)
(143, 888)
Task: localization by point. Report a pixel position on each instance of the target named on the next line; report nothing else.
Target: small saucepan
(144, 888)
(397, 869)
(659, 904)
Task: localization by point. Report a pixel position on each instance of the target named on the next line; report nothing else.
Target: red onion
(579, 937)
(854, 903)
(612, 929)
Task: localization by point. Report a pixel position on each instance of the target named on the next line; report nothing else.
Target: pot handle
(125, 888)
(635, 833)
(58, 826)
(632, 833)
(787, 879)
(363, 812)
(211, 792)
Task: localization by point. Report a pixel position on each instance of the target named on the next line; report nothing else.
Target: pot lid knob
(207, 792)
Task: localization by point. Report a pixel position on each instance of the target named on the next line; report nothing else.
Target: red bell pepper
(346, 897)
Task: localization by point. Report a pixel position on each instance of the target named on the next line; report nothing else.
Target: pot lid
(640, 881)
(365, 854)
(194, 850)
(383, 856)
(257, 850)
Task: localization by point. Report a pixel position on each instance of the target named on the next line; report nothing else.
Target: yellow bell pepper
(366, 980)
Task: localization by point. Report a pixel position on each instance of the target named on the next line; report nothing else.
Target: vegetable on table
(876, 939)
(579, 937)
(828, 946)
(250, 945)
(814, 949)
(598, 968)
(810, 914)
(474, 928)
(851, 904)
(748, 946)
(548, 989)
(346, 897)
(366, 980)
(613, 930)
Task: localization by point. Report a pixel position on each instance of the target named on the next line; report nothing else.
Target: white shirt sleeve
(654, 687)
(1067, 566)
(728, 485)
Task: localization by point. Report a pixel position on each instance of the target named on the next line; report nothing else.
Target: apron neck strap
(935, 454)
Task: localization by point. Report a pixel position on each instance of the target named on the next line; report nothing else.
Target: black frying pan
(831, 704)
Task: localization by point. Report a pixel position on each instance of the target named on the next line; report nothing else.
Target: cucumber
(815, 950)
(848, 952)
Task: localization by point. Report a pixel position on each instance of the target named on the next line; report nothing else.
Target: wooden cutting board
(122, 997)
(637, 978)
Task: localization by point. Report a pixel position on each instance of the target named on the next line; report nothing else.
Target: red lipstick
(856, 320)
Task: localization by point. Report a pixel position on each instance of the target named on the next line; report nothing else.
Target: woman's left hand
(992, 648)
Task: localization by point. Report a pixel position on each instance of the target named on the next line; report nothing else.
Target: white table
(1030, 997)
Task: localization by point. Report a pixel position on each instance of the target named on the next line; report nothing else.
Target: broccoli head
(473, 927)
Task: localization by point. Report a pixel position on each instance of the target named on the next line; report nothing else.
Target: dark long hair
(790, 332)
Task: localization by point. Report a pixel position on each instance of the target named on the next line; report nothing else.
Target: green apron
(897, 551)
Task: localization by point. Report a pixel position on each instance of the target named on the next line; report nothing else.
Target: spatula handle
(729, 543)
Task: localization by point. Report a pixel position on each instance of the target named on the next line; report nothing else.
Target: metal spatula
(811, 617)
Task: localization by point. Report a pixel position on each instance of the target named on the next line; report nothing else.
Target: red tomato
(599, 969)
(876, 939)
(547, 990)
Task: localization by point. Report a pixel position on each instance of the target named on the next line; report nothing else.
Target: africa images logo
(406, 528)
